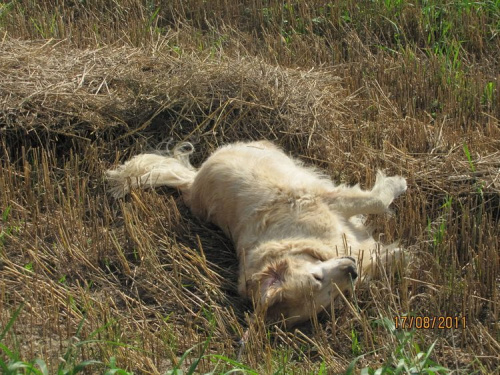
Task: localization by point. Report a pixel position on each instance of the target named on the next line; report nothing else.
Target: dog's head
(299, 286)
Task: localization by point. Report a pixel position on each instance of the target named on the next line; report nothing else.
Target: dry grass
(150, 280)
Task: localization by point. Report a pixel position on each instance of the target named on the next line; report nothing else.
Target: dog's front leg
(350, 201)
(386, 259)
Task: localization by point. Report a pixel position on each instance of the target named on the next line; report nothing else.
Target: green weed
(438, 232)
(469, 158)
(488, 94)
(406, 357)
(355, 344)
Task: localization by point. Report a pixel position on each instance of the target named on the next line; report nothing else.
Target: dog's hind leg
(350, 201)
(153, 170)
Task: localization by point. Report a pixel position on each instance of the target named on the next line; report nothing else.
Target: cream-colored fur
(296, 234)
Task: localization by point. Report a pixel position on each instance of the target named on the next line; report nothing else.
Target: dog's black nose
(353, 272)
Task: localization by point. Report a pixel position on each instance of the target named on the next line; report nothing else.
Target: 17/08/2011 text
(430, 322)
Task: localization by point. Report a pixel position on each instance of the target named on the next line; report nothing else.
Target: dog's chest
(301, 217)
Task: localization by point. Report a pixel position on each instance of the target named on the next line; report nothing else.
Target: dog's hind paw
(389, 188)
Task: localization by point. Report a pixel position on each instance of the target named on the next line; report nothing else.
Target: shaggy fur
(295, 232)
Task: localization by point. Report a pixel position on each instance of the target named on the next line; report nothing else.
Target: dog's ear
(267, 286)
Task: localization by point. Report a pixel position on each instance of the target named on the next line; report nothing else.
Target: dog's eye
(317, 277)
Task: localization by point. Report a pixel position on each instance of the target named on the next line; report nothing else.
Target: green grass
(11, 362)
(406, 356)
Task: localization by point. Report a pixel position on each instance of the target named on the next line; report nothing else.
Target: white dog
(294, 231)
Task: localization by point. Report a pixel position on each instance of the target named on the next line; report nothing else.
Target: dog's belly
(257, 193)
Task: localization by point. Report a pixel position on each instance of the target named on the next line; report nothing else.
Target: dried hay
(125, 98)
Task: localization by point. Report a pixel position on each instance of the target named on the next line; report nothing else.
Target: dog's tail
(152, 170)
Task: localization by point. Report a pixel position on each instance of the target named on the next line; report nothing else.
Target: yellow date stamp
(430, 322)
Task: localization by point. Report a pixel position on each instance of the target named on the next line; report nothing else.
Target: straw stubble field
(136, 283)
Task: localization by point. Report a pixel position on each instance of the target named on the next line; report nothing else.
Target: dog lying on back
(296, 235)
